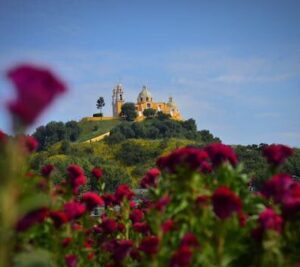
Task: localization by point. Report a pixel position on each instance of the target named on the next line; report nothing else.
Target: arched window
(148, 105)
(147, 99)
(121, 97)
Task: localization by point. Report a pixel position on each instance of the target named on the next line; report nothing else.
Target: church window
(141, 99)
(121, 97)
(147, 98)
(148, 105)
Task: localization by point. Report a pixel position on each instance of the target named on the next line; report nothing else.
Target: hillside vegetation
(133, 147)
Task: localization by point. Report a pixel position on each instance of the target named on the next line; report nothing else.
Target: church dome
(144, 95)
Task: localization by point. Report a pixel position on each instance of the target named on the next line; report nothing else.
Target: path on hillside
(97, 138)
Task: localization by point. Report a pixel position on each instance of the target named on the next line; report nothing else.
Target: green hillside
(91, 129)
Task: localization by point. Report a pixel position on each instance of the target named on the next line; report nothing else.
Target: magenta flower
(92, 200)
(187, 157)
(220, 153)
(58, 218)
(150, 179)
(32, 218)
(74, 210)
(97, 172)
(47, 170)
(182, 257)
(136, 216)
(71, 260)
(277, 154)
(149, 245)
(123, 191)
(36, 89)
(225, 202)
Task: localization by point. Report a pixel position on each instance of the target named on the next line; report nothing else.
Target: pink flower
(47, 169)
(74, 209)
(277, 154)
(71, 260)
(149, 245)
(225, 202)
(92, 200)
(136, 216)
(220, 153)
(58, 218)
(187, 157)
(32, 218)
(97, 172)
(150, 179)
(182, 257)
(36, 89)
(123, 191)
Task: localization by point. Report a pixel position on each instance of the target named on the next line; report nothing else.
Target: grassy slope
(91, 129)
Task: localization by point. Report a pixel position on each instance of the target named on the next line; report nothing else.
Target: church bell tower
(117, 100)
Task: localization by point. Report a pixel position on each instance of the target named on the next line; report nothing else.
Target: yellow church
(144, 101)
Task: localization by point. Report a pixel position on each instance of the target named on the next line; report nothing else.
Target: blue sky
(233, 66)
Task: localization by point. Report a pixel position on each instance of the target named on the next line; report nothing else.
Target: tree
(149, 113)
(128, 111)
(100, 104)
(163, 116)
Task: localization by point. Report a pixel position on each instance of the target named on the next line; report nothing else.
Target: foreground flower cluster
(197, 210)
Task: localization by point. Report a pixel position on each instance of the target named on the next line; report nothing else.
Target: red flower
(141, 227)
(32, 218)
(29, 143)
(71, 260)
(291, 203)
(74, 209)
(76, 177)
(277, 154)
(109, 225)
(182, 257)
(47, 169)
(92, 200)
(58, 218)
(202, 200)
(123, 191)
(3, 137)
(97, 172)
(187, 157)
(268, 220)
(121, 249)
(36, 89)
(162, 202)
(66, 241)
(220, 153)
(225, 202)
(167, 226)
(136, 216)
(190, 240)
(150, 179)
(277, 187)
(242, 218)
(109, 199)
(149, 245)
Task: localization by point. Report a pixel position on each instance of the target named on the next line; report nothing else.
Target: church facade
(144, 101)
